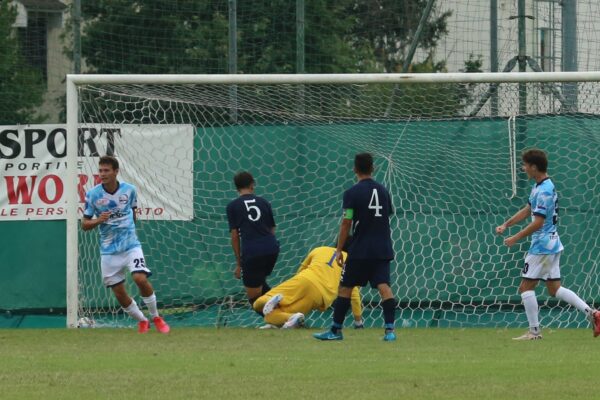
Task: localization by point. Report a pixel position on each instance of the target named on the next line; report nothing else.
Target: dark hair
(536, 157)
(363, 163)
(109, 160)
(243, 180)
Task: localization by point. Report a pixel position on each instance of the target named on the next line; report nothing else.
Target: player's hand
(340, 258)
(510, 241)
(359, 324)
(104, 216)
(500, 229)
(238, 272)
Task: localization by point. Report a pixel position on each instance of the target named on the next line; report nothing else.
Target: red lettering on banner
(57, 184)
(13, 212)
(144, 211)
(22, 190)
(83, 180)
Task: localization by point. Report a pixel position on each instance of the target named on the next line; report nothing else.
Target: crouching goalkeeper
(314, 287)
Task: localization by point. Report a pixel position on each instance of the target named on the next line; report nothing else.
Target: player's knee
(344, 291)
(140, 278)
(552, 290)
(258, 304)
(385, 291)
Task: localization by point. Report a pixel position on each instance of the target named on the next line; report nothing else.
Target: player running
(114, 203)
(542, 261)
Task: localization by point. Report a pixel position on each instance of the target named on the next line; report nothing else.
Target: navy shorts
(359, 272)
(256, 269)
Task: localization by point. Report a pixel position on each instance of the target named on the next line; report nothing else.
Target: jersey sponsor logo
(102, 202)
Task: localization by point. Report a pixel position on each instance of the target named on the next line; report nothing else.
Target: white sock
(150, 302)
(531, 310)
(134, 311)
(570, 297)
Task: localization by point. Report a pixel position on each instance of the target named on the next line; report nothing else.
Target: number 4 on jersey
(374, 203)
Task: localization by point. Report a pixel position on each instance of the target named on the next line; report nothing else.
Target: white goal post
(442, 230)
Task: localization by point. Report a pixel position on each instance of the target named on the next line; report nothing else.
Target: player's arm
(345, 227)
(88, 222)
(133, 202)
(235, 245)
(233, 221)
(356, 304)
(271, 219)
(515, 219)
(535, 225)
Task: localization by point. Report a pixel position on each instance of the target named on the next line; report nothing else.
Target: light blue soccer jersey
(117, 234)
(544, 202)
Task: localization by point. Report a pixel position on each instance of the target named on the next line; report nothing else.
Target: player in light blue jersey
(542, 261)
(114, 203)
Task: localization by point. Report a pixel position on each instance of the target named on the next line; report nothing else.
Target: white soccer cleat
(272, 304)
(295, 321)
(529, 336)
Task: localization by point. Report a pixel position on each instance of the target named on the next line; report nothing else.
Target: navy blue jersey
(253, 218)
(371, 207)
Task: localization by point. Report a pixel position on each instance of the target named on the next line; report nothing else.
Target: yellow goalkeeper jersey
(322, 269)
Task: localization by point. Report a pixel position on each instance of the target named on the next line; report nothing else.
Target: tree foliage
(191, 36)
(341, 36)
(22, 87)
(389, 27)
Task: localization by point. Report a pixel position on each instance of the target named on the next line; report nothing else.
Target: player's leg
(259, 303)
(130, 306)
(253, 278)
(299, 296)
(353, 274)
(279, 300)
(531, 274)
(113, 277)
(268, 265)
(380, 279)
(140, 273)
(530, 303)
(555, 289)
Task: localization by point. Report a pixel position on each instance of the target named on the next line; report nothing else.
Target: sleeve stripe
(539, 214)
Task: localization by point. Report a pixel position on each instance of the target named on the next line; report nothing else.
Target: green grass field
(208, 363)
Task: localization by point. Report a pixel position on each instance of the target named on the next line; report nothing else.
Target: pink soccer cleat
(143, 326)
(596, 323)
(161, 325)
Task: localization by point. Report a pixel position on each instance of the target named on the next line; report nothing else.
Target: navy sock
(389, 313)
(340, 308)
(265, 287)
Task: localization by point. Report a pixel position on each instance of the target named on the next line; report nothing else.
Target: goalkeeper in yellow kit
(314, 287)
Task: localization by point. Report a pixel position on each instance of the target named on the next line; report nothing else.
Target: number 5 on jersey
(374, 203)
(251, 209)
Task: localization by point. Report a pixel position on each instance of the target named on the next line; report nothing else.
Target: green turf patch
(229, 363)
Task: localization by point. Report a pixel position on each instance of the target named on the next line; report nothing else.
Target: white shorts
(113, 265)
(545, 267)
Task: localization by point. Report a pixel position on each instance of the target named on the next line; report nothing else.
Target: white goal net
(447, 147)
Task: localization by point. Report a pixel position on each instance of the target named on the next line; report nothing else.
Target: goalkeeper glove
(359, 324)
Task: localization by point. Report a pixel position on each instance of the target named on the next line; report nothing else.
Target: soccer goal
(446, 145)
